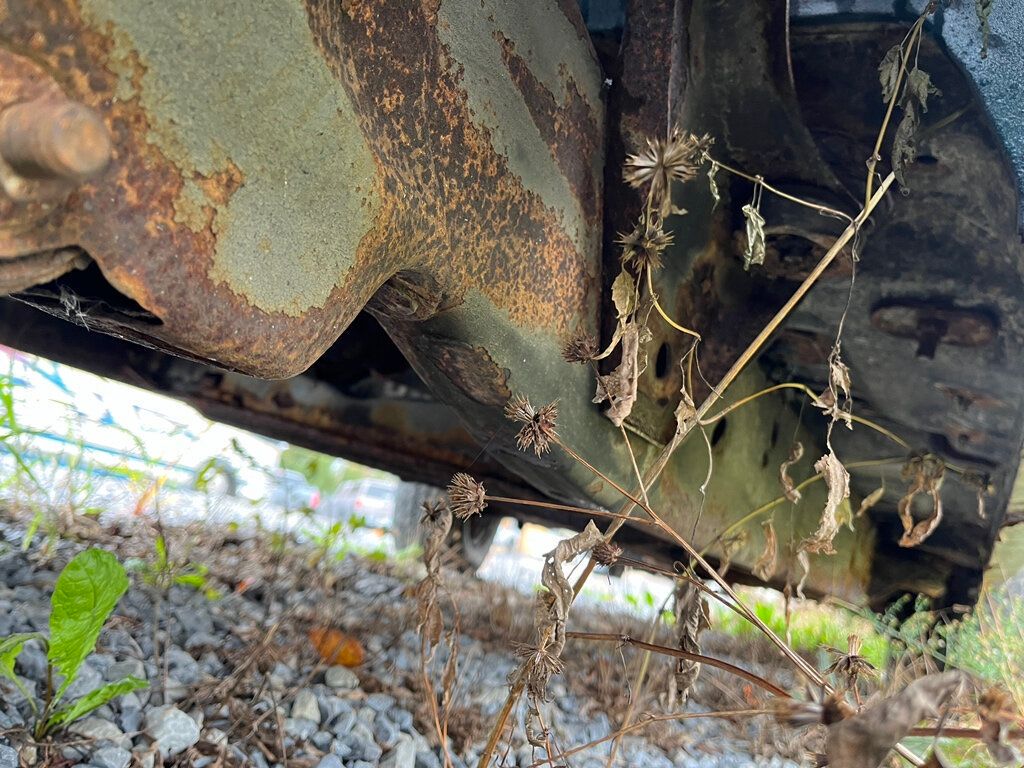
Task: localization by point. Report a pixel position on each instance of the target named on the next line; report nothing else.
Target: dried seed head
(466, 496)
(849, 664)
(538, 424)
(581, 348)
(606, 553)
(663, 161)
(642, 248)
(432, 511)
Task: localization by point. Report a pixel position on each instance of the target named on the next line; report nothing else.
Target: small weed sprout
(84, 596)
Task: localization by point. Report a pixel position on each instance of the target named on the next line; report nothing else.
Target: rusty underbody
(363, 225)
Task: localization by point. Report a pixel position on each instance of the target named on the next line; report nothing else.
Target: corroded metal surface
(453, 167)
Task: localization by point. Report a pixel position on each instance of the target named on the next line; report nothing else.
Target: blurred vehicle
(291, 491)
(372, 499)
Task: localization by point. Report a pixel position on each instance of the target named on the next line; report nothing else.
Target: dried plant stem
(769, 506)
(826, 261)
(662, 459)
(913, 35)
(750, 677)
(823, 209)
(815, 399)
(567, 508)
(664, 315)
(734, 713)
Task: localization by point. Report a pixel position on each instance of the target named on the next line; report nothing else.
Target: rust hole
(662, 363)
(719, 432)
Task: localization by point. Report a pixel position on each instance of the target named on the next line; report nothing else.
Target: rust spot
(569, 130)
(450, 204)
(220, 186)
(471, 369)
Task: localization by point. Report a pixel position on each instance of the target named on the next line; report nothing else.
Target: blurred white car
(371, 499)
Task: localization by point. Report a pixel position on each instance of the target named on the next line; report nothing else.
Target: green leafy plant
(83, 598)
(161, 572)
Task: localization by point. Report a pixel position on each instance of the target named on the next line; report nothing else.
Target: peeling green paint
(224, 85)
(467, 28)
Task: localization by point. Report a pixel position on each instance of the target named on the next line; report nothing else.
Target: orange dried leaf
(336, 647)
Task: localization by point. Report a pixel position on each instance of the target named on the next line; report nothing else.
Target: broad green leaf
(86, 592)
(10, 647)
(95, 699)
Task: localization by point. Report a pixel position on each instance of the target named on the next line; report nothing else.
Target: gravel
(235, 669)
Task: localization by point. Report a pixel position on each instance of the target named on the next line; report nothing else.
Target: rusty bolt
(54, 140)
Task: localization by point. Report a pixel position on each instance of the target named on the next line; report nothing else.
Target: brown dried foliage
(764, 568)
(864, 740)
(538, 428)
(925, 474)
(838, 481)
(466, 497)
(789, 490)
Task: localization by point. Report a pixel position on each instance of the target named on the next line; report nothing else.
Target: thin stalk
(823, 209)
(566, 508)
(915, 32)
(815, 399)
(664, 315)
(661, 461)
(664, 650)
(734, 713)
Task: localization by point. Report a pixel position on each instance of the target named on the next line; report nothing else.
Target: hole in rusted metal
(774, 439)
(719, 432)
(662, 361)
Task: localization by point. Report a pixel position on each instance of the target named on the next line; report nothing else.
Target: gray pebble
(171, 729)
(305, 706)
(32, 661)
(380, 702)
(384, 732)
(341, 678)
(402, 756)
(8, 757)
(111, 757)
(182, 666)
(426, 758)
(330, 761)
(344, 723)
(322, 740)
(299, 728)
(86, 681)
(127, 668)
(98, 729)
(403, 719)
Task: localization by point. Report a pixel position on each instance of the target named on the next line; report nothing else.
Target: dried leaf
(925, 474)
(764, 568)
(919, 88)
(997, 713)
(888, 72)
(805, 570)
(838, 481)
(692, 617)
(838, 374)
(436, 523)
(713, 184)
(624, 294)
(864, 740)
(983, 8)
(870, 500)
(904, 146)
(543, 660)
(619, 387)
(754, 254)
(336, 647)
(685, 412)
(789, 490)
